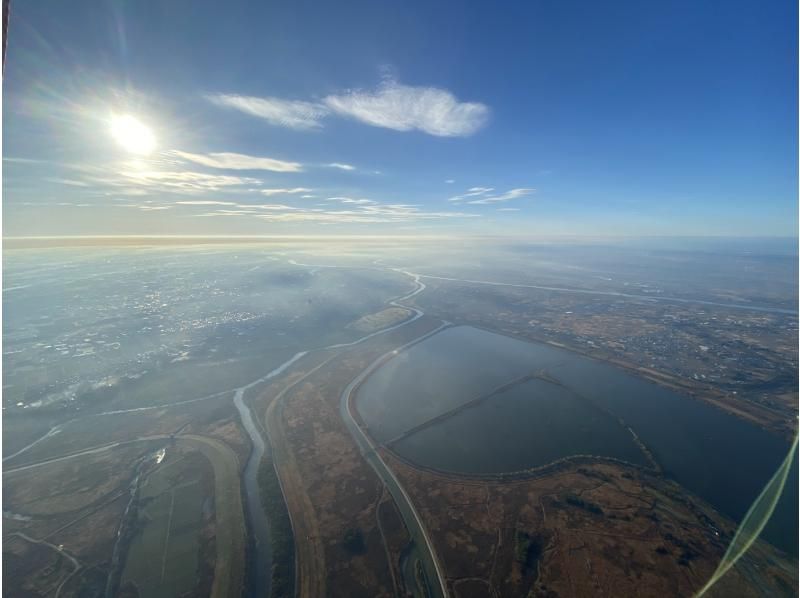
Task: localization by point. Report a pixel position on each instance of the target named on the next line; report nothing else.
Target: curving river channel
(261, 561)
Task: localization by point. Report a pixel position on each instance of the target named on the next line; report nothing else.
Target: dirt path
(230, 530)
(309, 551)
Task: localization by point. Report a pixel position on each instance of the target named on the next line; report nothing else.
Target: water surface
(717, 456)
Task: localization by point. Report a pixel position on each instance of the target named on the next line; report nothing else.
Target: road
(638, 297)
(416, 528)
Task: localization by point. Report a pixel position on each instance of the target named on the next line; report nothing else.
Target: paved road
(433, 569)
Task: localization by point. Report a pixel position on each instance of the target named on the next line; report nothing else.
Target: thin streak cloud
(293, 114)
(233, 161)
(341, 166)
(508, 195)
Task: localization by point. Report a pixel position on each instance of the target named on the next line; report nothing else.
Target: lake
(572, 405)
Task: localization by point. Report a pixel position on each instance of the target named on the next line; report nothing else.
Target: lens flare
(132, 134)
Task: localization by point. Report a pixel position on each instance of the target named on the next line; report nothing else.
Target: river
(260, 568)
(260, 564)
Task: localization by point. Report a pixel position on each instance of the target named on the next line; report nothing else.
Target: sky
(530, 118)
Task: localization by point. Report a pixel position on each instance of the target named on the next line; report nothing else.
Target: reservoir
(468, 401)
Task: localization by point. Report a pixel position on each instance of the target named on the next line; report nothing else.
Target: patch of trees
(577, 501)
(354, 541)
(280, 528)
(528, 548)
(688, 553)
(591, 473)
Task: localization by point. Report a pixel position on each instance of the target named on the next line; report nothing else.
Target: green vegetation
(598, 475)
(280, 530)
(577, 501)
(354, 541)
(163, 555)
(527, 548)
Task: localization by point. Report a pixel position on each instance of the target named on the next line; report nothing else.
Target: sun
(132, 134)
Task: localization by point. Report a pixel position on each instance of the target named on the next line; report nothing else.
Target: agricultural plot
(163, 558)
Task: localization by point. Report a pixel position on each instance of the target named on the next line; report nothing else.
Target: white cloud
(293, 114)
(472, 192)
(70, 182)
(341, 166)
(281, 191)
(271, 206)
(392, 105)
(450, 181)
(363, 202)
(203, 202)
(22, 160)
(186, 181)
(226, 213)
(508, 209)
(508, 195)
(358, 211)
(231, 161)
(307, 196)
(405, 108)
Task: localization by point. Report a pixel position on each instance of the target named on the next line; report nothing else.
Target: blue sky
(529, 118)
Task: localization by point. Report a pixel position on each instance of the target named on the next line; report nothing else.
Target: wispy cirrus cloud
(226, 213)
(282, 191)
(391, 105)
(137, 179)
(483, 196)
(294, 114)
(233, 161)
(352, 200)
(359, 210)
(205, 202)
(341, 166)
(471, 192)
(176, 181)
(508, 195)
(406, 108)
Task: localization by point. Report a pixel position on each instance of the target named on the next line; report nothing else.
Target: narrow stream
(260, 570)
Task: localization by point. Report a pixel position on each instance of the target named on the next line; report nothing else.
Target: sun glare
(132, 134)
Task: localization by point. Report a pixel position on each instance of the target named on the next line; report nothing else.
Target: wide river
(564, 404)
